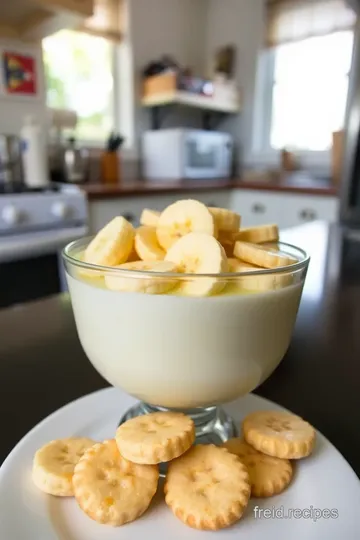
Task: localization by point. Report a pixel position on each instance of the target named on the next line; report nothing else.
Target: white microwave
(186, 153)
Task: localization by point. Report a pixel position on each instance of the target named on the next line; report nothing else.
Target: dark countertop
(42, 365)
(296, 184)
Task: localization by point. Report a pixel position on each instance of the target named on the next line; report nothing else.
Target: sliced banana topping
(260, 234)
(198, 253)
(112, 245)
(181, 218)
(149, 217)
(260, 256)
(147, 245)
(225, 220)
(145, 283)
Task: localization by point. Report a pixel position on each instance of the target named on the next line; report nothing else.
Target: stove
(23, 211)
(35, 224)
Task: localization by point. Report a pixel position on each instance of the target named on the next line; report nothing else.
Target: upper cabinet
(32, 20)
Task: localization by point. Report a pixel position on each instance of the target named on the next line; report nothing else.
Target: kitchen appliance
(10, 161)
(350, 190)
(186, 153)
(34, 227)
(75, 163)
(68, 162)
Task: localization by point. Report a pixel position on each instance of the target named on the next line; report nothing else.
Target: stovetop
(58, 206)
(13, 188)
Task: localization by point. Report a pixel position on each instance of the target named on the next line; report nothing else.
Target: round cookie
(207, 488)
(111, 489)
(156, 437)
(54, 463)
(268, 475)
(279, 434)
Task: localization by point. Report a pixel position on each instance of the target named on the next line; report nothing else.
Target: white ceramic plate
(323, 482)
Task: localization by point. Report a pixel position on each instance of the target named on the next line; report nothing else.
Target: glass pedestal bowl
(186, 353)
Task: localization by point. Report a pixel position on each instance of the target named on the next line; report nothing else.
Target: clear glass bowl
(186, 352)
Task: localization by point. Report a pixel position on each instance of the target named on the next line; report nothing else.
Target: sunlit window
(79, 76)
(309, 91)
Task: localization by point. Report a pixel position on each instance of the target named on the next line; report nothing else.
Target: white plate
(323, 481)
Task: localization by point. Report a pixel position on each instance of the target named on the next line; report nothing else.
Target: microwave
(186, 153)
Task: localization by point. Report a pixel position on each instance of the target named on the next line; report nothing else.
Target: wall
(174, 27)
(239, 23)
(14, 109)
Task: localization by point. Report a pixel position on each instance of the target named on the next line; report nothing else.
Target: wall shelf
(161, 91)
(32, 20)
(189, 99)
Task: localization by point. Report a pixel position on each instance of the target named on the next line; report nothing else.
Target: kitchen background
(265, 82)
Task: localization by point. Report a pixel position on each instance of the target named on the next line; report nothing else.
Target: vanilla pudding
(187, 311)
(183, 352)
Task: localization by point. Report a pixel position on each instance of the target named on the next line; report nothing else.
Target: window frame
(262, 152)
(120, 56)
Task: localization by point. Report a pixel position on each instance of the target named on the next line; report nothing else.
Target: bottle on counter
(34, 154)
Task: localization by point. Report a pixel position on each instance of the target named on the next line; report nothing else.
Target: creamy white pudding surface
(184, 352)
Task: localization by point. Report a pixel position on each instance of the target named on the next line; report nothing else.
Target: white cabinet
(103, 210)
(300, 209)
(285, 209)
(255, 207)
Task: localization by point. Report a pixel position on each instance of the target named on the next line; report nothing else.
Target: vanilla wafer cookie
(207, 488)
(268, 475)
(260, 256)
(156, 437)
(279, 434)
(109, 488)
(54, 463)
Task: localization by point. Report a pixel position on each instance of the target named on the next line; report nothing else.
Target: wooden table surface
(42, 365)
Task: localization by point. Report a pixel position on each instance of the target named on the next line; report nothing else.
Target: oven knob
(11, 215)
(60, 210)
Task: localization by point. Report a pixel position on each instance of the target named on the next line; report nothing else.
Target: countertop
(42, 365)
(297, 184)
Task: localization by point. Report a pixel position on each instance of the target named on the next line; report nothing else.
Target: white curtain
(294, 20)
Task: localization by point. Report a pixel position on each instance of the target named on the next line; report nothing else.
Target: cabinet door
(302, 209)
(287, 210)
(257, 207)
(103, 211)
(209, 198)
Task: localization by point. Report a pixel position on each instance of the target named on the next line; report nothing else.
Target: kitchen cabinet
(287, 210)
(255, 207)
(32, 20)
(103, 210)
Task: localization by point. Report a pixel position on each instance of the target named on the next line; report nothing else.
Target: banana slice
(181, 218)
(225, 220)
(112, 245)
(54, 465)
(259, 256)
(227, 239)
(252, 283)
(199, 253)
(235, 265)
(149, 218)
(260, 234)
(147, 246)
(144, 283)
(133, 256)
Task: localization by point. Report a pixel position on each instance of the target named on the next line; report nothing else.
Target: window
(79, 76)
(308, 91)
